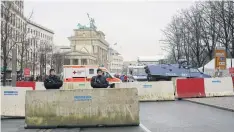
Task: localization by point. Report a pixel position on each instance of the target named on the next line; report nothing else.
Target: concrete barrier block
(218, 86)
(40, 86)
(13, 101)
(156, 91)
(76, 85)
(121, 85)
(82, 107)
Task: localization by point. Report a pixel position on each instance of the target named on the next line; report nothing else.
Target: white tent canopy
(209, 68)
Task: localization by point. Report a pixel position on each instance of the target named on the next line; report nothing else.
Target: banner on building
(220, 59)
(26, 72)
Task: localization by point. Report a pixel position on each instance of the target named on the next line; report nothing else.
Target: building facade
(13, 24)
(115, 61)
(39, 48)
(88, 47)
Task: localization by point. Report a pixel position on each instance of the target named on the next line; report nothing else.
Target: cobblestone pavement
(226, 103)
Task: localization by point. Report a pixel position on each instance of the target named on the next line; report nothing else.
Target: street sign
(26, 72)
(220, 59)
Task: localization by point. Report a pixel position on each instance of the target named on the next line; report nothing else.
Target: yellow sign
(220, 59)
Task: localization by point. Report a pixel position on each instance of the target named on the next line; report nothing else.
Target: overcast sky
(134, 26)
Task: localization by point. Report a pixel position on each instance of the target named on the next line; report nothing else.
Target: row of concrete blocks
(86, 107)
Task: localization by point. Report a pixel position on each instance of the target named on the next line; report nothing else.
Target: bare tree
(45, 51)
(173, 38)
(196, 32)
(8, 36)
(24, 44)
(58, 61)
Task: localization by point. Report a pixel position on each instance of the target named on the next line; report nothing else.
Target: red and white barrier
(26, 84)
(13, 101)
(218, 86)
(189, 88)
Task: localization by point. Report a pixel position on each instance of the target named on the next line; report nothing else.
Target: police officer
(52, 81)
(99, 81)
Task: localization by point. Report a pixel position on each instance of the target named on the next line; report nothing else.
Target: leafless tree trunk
(7, 37)
(24, 46)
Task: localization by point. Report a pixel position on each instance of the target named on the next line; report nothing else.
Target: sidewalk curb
(214, 106)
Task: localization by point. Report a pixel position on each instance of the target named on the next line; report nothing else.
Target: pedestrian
(99, 81)
(125, 78)
(52, 81)
(122, 78)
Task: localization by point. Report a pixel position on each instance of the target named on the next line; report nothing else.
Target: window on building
(15, 32)
(16, 22)
(13, 17)
(16, 35)
(27, 52)
(31, 31)
(23, 27)
(2, 25)
(75, 61)
(31, 55)
(83, 61)
(36, 57)
(2, 11)
(19, 25)
(11, 31)
(10, 14)
(66, 61)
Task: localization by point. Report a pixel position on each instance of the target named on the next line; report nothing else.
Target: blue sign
(147, 86)
(222, 58)
(10, 92)
(82, 98)
(216, 81)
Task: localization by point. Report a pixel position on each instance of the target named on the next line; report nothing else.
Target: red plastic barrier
(26, 84)
(233, 80)
(188, 88)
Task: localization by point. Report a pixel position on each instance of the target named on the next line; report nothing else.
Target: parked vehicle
(167, 71)
(84, 73)
(136, 73)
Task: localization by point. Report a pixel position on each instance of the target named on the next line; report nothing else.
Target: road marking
(143, 127)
